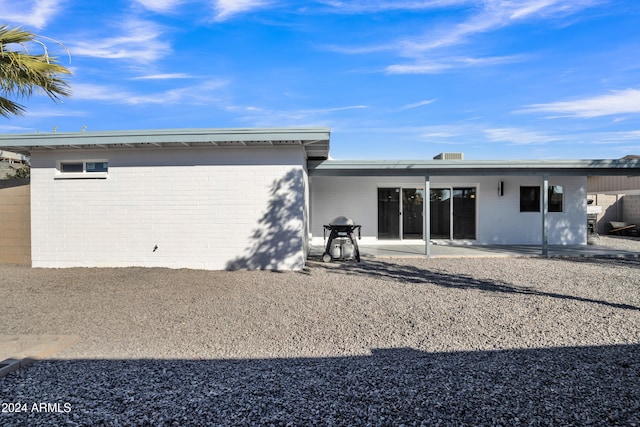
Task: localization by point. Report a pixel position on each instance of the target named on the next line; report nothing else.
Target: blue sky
(393, 79)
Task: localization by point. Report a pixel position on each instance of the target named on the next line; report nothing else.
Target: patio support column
(545, 211)
(427, 216)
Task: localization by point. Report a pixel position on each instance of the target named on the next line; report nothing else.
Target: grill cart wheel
(342, 244)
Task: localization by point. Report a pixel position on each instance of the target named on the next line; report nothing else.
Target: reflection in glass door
(464, 213)
(453, 213)
(412, 216)
(388, 213)
(440, 211)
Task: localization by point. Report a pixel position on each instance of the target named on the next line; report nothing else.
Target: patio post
(545, 211)
(427, 216)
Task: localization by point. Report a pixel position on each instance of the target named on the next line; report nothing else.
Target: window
(68, 167)
(530, 199)
(555, 198)
(83, 169)
(97, 167)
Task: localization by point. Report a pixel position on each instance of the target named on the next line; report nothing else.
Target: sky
(393, 79)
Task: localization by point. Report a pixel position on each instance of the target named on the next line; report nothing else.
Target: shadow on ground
(556, 386)
(412, 274)
(608, 261)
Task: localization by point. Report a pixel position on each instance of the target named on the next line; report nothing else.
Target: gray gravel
(494, 341)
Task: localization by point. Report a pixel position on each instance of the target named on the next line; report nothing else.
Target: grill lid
(342, 221)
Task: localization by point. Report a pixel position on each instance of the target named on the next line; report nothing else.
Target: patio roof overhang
(315, 141)
(604, 167)
(429, 168)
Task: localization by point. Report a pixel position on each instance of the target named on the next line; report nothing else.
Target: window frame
(561, 202)
(86, 173)
(523, 207)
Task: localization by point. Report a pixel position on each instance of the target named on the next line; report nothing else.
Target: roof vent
(449, 156)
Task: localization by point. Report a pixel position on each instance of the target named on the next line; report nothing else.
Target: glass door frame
(451, 188)
(401, 213)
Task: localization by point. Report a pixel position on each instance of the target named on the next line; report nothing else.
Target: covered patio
(445, 208)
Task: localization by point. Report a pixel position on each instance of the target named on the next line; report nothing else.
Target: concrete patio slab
(453, 250)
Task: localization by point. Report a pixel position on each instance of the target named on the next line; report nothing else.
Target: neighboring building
(254, 198)
(617, 198)
(10, 157)
(9, 162)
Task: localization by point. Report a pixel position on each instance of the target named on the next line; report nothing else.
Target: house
(529, 202)
(9, 157)
(257, 198)
(203, 198)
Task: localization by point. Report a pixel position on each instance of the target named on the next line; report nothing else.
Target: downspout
(427, 216)
(545, 211)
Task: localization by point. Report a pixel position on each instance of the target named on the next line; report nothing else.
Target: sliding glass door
(388, 213)
(440, 211)
(400, 213)
(453, 213)
(464, 213)
(412, 213)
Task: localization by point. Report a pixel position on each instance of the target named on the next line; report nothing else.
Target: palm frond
(9, 108)
(23, 73)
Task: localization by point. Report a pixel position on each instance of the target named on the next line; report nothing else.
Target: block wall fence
(15, 222)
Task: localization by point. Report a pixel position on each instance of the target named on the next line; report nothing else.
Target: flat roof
(314, 140)
(604, 167)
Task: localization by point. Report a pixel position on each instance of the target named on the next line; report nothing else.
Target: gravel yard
(478, 341)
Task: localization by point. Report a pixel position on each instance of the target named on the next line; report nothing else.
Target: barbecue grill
(592, 218)
(342, 244)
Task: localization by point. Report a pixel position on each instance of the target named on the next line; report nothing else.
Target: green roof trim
(473, 167)
(314, 140)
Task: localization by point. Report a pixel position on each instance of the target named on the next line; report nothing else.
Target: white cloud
(272, 117)
(30, 13)
(371, 6)
(492, 15)
(225, 9)
(430, 51)
(518, 136)
(87, 91)
(167, 76)
(418, 104)
(357, 50)
(531, 8)
(608, 138)
(444, 64)
(61, 112)
(625, 136)
(198, 94)
(7, 128)
(617, 102)
(138, 41)
(296, 113)
(160, 5)
(421, 68)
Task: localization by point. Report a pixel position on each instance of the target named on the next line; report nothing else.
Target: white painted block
(211, 208)
(498, 218)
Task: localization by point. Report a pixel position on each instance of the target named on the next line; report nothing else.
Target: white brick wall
(209, 208)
